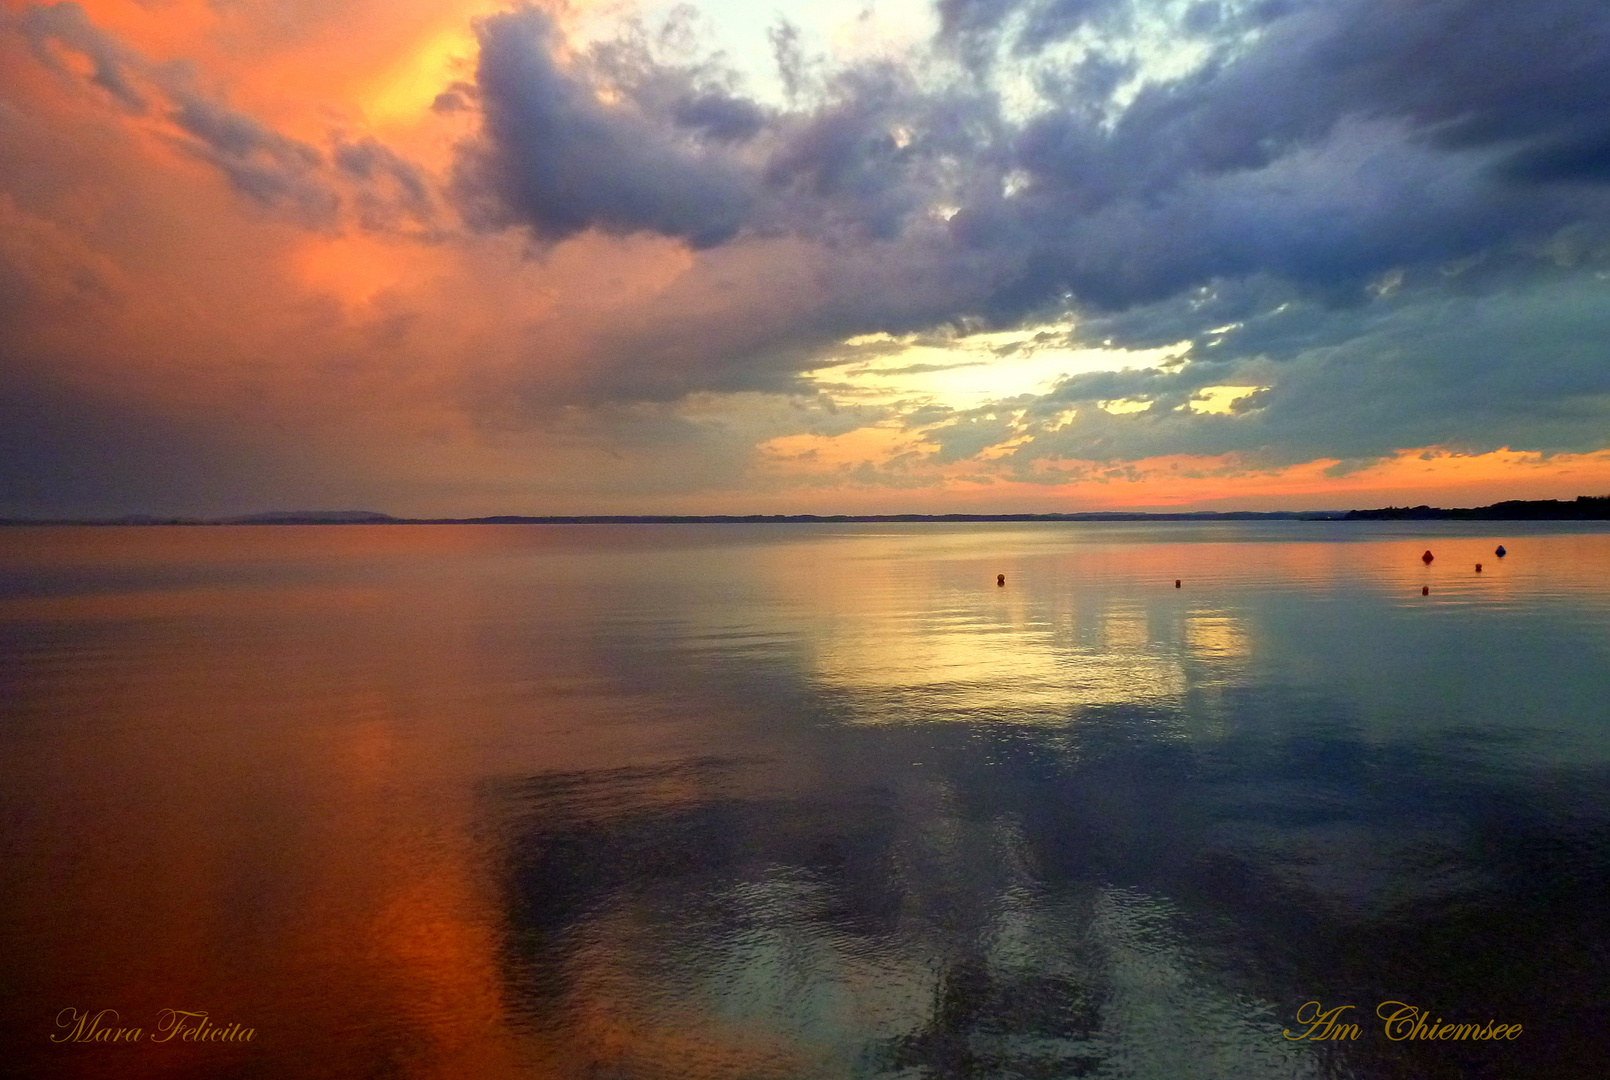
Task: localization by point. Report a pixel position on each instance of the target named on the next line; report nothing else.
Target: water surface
(806, 801)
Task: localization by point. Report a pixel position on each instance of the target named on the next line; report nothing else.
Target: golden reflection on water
(1217, 636)
(878, 620)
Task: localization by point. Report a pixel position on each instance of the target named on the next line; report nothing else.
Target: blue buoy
(1500, 552)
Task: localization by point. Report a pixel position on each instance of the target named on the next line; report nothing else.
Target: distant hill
(312, 517)
(1584, 508)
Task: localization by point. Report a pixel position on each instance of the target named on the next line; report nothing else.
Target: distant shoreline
(1583, 508)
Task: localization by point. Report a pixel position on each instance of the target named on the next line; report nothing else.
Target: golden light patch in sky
(1220, 399)
(963, 372)
(302, 67)
(404, 92)
(1124, 406)
(369, 67)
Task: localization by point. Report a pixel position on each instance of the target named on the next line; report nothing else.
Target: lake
(794, 801)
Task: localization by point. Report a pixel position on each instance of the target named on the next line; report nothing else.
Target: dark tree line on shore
(1584, 508)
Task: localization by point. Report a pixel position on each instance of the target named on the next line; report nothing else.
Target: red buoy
(1000, 579)
(1176, 583)
(1478, 568)
(1425, 590)
(1427, 557)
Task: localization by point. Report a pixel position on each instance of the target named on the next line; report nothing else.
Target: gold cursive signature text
(1410, 1022)
(1323, 1023)
(1403, 1022)
(182, 1025)
(92, 1027)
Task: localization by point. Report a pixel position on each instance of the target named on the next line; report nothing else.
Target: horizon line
(1583, 507)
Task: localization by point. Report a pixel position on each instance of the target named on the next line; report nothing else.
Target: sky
(463, 257)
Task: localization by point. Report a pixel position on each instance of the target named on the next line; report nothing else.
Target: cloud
(263, 165)
(557, 158)
(1341, 140)
(275, 171)
(1386, 222)
(719, 116)
(1305, 145)
(1518, 367)
(66, 26)
(393, 190)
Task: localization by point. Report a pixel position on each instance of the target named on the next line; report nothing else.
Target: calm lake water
(805, 801)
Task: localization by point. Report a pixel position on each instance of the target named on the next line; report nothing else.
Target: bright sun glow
(1221, 399)
(404, 93)
(964, 372)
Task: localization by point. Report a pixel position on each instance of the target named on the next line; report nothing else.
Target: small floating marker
(1478, 568)
(1427, 557)
(1425, 590)
(1000, 580)
(1176, 583)
(1500, 552)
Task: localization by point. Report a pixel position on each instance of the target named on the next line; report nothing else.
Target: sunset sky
(453, 257)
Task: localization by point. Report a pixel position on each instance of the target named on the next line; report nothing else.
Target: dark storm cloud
(1582, 158)
(623, 141)
(1348, 137)
(720, 116)
(845, 162)
(1317, 143)
(560, 160)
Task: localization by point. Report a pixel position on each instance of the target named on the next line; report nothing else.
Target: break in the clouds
(532, 258)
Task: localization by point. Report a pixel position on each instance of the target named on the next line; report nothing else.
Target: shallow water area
(806, 800)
